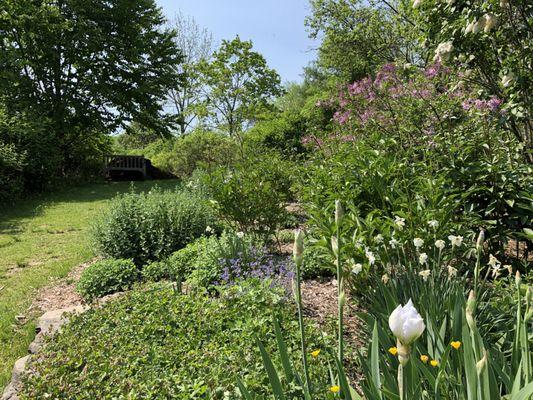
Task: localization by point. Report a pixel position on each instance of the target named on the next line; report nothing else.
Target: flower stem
(301, 324)
(340, 292)
(400, 381)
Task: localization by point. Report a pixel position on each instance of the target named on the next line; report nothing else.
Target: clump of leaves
(106, 277)
(151, 226)
(154, 343)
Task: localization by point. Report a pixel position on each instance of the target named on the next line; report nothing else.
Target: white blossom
(371, 257)
(440, 244)
(417, 3)
(455, 240)
(493, 261)
(379, 238)
(433, 223)
(422, 258)
(418, 242)
(490, 22)
(208, 229)
(399, 222)
(393, 243)
(443, 51)
(357, 268)
(385, 278)
(508, 79)
(240, 235)
(425, 274)
(406, 323)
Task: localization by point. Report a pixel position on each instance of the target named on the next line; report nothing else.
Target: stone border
(48, 324)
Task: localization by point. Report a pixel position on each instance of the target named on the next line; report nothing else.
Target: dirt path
(60, 294)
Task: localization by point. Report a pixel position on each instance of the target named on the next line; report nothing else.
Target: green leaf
(271, 371)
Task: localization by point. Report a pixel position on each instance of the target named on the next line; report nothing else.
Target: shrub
(150, 226)
(252, 195)
(11, 179)
(106, 277)
(159, 345)
(199, 149)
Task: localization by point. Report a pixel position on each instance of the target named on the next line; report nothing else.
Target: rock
(10, 392)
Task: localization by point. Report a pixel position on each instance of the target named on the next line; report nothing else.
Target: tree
(358, 37)
(240, 85)
(489, 43)
(87, 66)
(196, 46)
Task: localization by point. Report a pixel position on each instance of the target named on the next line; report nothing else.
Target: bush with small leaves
(107, 277)
(150, 226)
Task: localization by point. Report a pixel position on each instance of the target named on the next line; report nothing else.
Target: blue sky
(276, 28)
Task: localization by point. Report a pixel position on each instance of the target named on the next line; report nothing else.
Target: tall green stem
(400, 381)
(301, 322)
(341, 298)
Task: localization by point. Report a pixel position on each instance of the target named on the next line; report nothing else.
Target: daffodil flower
(456, 344)
(335, 389)
(424, 358)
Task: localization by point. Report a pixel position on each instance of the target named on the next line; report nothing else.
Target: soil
(60, 294)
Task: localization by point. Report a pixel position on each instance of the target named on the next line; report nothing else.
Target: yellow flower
(393, 351)
(434, 363)
(456, 344)
(424, 358)
(315, 353)
(335, 389)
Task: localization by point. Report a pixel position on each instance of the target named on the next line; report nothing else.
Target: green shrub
(150, 226)
(11, 179)
(252, 195)
(317, 263)
(202, 262)
(106, 277)
(155, 344)
(199, 149)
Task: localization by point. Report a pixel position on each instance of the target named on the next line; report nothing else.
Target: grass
(41, 240)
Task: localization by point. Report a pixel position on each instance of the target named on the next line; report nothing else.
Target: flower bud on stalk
(482, 364)
(480, 240)
(339, 212)
(342, 299)
(335, 245)
(470, 309)
(518, 279)
(298, 246)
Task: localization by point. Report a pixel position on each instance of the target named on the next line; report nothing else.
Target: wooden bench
(124, 163)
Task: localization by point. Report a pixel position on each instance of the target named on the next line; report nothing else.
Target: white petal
(396, 321)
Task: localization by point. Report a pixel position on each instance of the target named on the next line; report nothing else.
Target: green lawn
(42, 239)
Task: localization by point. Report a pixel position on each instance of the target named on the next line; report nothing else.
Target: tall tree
(196, 46)
(358, 36)
(240, 85)
(86, 65)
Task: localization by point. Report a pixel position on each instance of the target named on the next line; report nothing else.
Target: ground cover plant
(42, 239)
(157, 343)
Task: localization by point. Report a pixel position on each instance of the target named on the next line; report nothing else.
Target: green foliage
(358, 37)
(150, 226)
(318, 262)
(56, 65)
(459, 372)
(196, 150)
(490, 49)
(241, 85)
(252, 194)
(107, 277)
(11, 166)
(160, 345)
